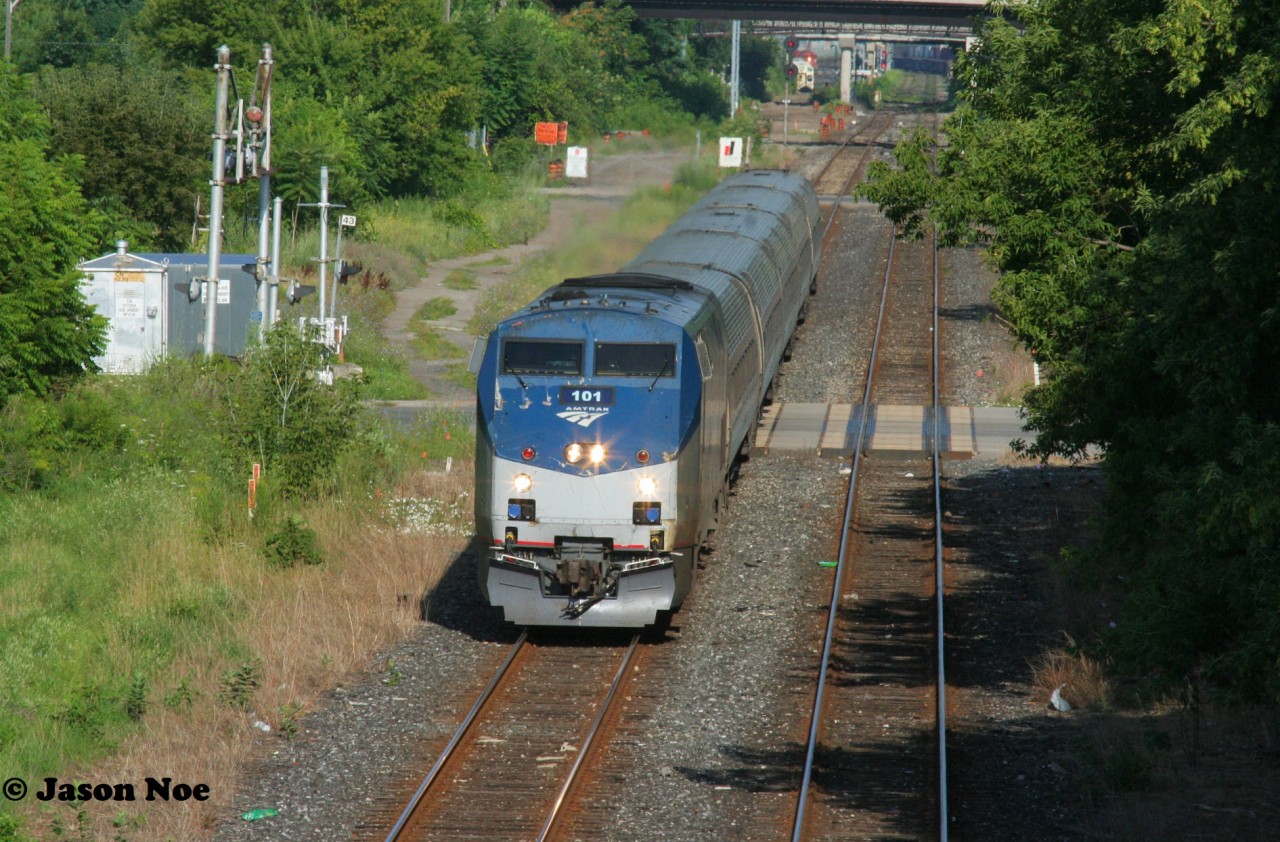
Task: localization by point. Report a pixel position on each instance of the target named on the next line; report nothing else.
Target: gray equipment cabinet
(144, 297)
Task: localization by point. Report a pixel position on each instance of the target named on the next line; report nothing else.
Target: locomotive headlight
(648, 486)
(522, 482)
(597, 454)
(573, 453)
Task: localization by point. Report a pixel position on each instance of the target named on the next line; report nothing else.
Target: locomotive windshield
(542, 357)
(628, 359)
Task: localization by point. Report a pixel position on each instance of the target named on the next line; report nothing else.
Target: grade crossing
(831, 429)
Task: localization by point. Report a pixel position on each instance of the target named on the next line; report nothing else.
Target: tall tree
(144, 135)
(47, 330)
(1117, 158)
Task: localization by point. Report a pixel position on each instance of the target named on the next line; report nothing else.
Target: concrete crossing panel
(832, 429)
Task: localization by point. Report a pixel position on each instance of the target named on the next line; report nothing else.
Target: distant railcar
(802, 74)
(611, 411)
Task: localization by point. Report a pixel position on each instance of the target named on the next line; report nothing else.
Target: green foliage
(240, 683)
(385, 371)
(700, 93)
(135, 700)
(454, 213)
(759, 57)
(287, 716)
(292, 544)
(48, 333)
(746, 124)
(144, 136)
(431, 344)
(435, 308)
(180, 698)
(1118, 161)
(460, 279)
(279, 415)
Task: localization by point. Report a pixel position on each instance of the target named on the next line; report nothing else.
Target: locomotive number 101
(600, 396)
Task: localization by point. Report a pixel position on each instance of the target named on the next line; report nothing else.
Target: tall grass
(144, 626)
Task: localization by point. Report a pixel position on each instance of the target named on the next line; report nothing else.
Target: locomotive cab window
(633, 359)
(522, 357)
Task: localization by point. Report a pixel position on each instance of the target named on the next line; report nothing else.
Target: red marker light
(528, 453)
(642, 456)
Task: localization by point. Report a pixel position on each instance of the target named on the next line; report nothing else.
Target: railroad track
(509, 770)
(521, 768)
(849, 163)
(875, 763)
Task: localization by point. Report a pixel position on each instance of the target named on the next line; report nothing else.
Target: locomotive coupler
(581, 569)
(578, 607)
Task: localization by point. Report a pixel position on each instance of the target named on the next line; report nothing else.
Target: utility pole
(324, 233)
(9, 6)
(259, 115)
(218, 184)
(273, 288)
(733, 68)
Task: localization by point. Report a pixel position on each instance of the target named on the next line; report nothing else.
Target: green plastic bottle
(261, 813)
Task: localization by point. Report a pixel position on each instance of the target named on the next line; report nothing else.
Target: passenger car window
(628, 359)
(527, 357)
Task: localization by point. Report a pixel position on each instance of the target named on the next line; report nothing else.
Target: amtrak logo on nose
(582, 417)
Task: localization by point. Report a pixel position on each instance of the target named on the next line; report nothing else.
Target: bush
(279, 415)
(292, 544)
(30, 443)
(747, 124)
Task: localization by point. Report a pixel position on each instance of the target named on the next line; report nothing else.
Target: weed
(394, 675)
(135, 700)
(460, 279)
(288, 715)
(293, 543)
(1117, 758)
(1086, 684)
(432, 345)
(10, 829)
(436, 308)
(180, 698)
(125, 822)
(460, 375)
(239, 684)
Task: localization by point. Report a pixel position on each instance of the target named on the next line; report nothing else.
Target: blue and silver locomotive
(612, 410)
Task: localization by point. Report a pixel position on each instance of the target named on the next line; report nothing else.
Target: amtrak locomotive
(611, 411)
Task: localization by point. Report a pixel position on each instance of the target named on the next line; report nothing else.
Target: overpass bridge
(950, 19)
(844, 22)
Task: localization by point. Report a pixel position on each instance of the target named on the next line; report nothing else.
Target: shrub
(239, 684)
(293, 543)
(281, 416)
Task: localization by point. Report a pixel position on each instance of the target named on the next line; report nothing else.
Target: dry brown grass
(1082, 679)
(310, 628)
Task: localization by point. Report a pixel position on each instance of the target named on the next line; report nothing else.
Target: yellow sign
(130, 276)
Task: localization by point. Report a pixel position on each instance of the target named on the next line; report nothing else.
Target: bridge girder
(941, 15)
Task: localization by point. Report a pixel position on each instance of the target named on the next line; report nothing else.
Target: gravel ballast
(719, 756)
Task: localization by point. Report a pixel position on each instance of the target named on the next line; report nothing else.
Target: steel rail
(938, 563)
(480, 702)
(873, 132)
(802, 801)
(554, 814)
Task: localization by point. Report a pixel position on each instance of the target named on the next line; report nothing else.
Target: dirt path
(613, 179)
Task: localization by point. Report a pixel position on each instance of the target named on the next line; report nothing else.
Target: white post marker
(730, 151)
(575, 165)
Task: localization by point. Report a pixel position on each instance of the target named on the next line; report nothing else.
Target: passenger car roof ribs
(631, 280)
